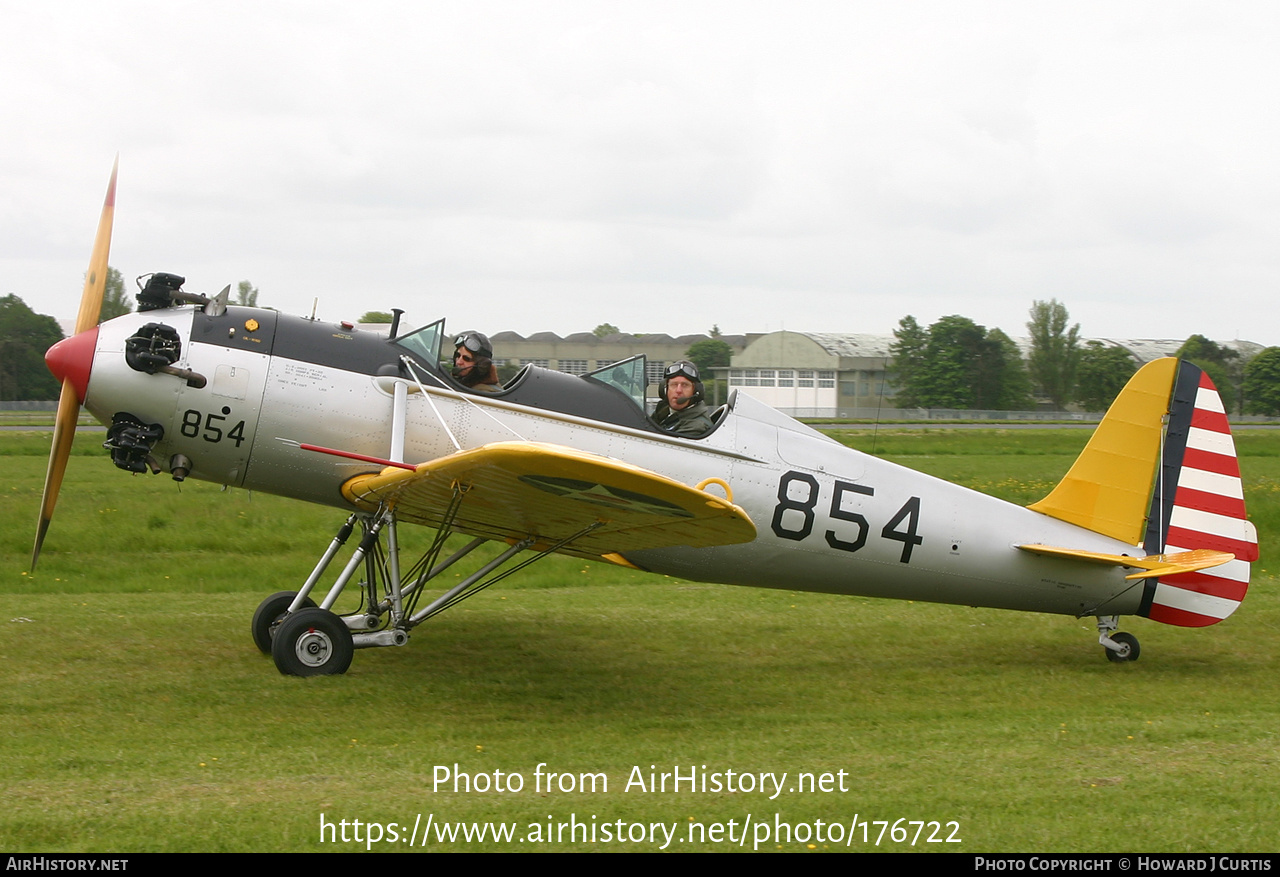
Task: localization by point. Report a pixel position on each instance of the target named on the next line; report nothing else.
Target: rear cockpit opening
(614, 393)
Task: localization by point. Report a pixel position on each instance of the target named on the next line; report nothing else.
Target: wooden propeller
(64, 426)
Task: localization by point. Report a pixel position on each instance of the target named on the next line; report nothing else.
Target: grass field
(139, 717)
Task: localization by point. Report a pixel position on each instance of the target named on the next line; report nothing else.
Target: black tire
(1129, 652)
(312, 642)
(268, 615)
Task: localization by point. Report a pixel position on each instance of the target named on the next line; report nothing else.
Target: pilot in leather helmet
(682, 410)
(473, 363)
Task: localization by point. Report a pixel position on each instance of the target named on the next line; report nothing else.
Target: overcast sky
(815, 166)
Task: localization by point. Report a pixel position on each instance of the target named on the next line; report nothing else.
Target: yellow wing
(514, 490)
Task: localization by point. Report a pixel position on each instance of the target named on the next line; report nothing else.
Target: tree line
(26, 335)
(953, 363)
(956, 363)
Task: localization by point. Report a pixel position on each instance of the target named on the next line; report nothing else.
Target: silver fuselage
(829, 518)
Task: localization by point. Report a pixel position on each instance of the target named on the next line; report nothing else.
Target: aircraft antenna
(875, 429)
(1163, 528)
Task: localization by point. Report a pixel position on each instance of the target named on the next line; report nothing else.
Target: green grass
(39, 418)
(138, 716)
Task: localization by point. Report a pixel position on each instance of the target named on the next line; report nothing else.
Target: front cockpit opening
(424, 343)
(615, 393)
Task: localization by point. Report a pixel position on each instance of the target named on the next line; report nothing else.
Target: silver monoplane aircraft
(1150, 520)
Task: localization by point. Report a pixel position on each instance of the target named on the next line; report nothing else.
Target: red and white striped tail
(1199, 503)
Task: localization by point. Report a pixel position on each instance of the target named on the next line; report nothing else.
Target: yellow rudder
(1108, 489)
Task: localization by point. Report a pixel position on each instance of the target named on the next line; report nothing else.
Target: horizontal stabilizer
(1151, 566)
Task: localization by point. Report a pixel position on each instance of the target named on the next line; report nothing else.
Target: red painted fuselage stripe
(1208, 584)
(1229, 506)
(1193, 458)
(1214, 421)
(1180, 617)
(1195, 539)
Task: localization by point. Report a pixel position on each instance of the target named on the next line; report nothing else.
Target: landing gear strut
(309, 640)
(1120, 648)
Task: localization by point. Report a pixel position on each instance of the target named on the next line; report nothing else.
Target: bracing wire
(413, 371)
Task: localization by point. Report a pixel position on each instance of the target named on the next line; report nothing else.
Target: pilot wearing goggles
(682, 410)
(473, 363)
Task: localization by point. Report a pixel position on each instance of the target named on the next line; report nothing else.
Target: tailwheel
(269, 614)
(312, 642)
(1128, 650)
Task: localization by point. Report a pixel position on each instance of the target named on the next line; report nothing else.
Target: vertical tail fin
(1198, 502)
(1108, 489)
(1173, 485)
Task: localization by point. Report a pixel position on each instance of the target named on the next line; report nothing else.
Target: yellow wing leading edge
(514, 490)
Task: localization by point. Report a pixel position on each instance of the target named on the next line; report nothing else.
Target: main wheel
(1129, 650)
(268, 615)
(312, 642)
